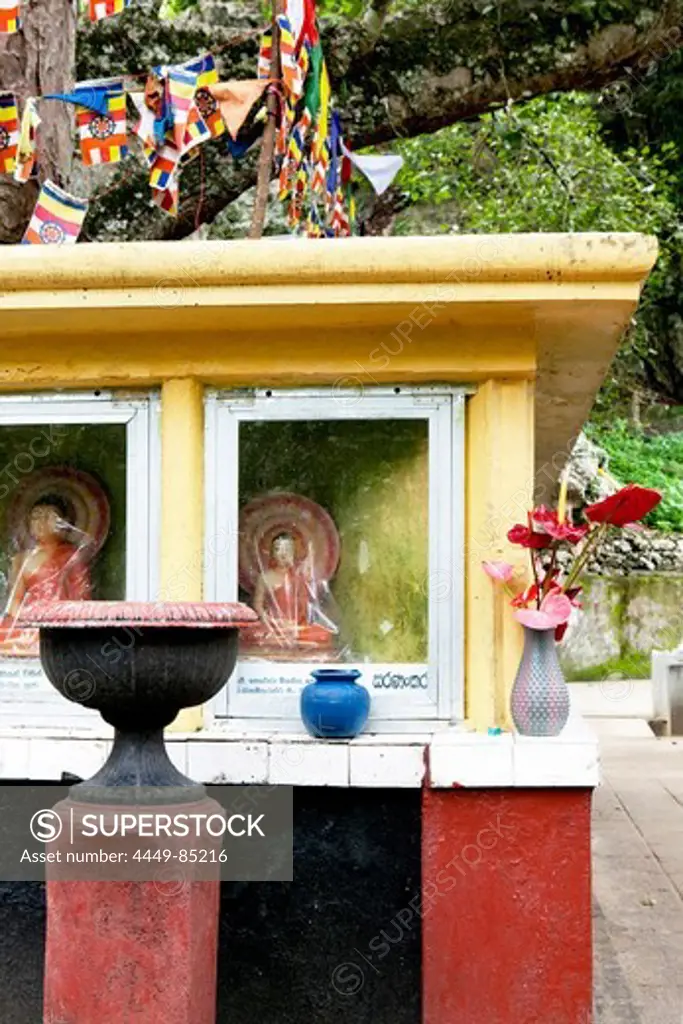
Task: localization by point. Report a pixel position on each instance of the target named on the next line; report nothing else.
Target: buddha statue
(288, 600)
(55, 567)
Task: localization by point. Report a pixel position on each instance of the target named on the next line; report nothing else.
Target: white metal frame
(443, 409)
(141, 416)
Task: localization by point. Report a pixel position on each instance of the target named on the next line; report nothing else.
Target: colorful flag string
(184, 105)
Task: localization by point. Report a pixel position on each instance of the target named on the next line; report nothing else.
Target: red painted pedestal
(124, 951)
(131, 953)
(506, 891)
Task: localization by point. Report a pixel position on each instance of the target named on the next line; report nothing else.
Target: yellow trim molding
(533, 321)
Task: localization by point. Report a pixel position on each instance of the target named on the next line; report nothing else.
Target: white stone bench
(667, 690)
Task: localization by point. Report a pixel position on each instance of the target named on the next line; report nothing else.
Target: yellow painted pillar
(499, 490)
(182, 503)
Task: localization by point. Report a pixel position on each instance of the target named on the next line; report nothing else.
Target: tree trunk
(37, 60)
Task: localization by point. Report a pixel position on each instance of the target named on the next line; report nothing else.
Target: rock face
(588, 477)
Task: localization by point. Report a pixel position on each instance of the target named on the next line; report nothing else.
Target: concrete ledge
(455, 758)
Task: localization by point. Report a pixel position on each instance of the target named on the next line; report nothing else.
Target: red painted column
(131, 953)
(506, 887)
(123, 951)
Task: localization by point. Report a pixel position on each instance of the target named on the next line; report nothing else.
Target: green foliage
(631, 665)
(548, 166)
(541, 167)
(650, 460)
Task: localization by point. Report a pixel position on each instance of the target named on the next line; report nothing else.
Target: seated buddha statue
(52, 568)
(287, 601)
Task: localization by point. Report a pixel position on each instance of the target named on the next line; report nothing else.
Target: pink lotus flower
(500, 571)
(554, 611)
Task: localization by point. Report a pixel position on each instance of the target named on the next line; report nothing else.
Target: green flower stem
(594, 538)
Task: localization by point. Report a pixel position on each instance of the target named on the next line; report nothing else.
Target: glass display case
(338, 518)
(78, 479)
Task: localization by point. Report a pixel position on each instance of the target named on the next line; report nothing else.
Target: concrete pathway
(638, 882)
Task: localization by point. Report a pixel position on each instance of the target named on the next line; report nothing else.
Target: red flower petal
(628, 505)
(527, 538)
(546, 520)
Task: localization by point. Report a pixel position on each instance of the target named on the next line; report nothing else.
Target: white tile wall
(455, 758)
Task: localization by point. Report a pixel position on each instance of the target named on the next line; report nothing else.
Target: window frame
(443, 408)
(140, 413)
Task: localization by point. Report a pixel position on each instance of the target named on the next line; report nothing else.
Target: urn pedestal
(133, 950)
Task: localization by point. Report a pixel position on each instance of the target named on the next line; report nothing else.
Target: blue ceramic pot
(335, 706)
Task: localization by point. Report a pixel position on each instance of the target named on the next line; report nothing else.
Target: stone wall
(639, 551)
(625, 618)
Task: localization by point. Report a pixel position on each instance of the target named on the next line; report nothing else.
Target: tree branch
(374, 18)
(391, 96)
(433, 68)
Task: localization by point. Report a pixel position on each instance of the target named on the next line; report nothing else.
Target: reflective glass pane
(334, 539)
(62, 520)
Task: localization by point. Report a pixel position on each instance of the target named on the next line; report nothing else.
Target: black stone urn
(138, 664)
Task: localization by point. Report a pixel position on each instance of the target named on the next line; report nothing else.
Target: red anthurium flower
(628, 505)
(545, 519)
(560, 631)
(526, 597)
(528, 538)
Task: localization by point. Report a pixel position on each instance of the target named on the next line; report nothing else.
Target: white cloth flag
(379, 170)
(145, 126)
(294, 9)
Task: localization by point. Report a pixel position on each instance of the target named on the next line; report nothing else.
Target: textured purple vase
(540, 697)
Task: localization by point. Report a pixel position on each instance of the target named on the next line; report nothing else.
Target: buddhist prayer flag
(324, 112)
(295, 11)
(291, 71)
(167, 199)
(235, 99)
(379, 170)
(196, 131)
(9, 17)
(265, 55)
(204, 67)
(106, 8)
(163, 166)
(102, 133)
(320, 169)
(91, 95)
(181, 86)
(207, 75)
(9, 132)
(144, 128)
(57, 218)
(26, 152)
(312, 91)
(295, 153)
(309, 27)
